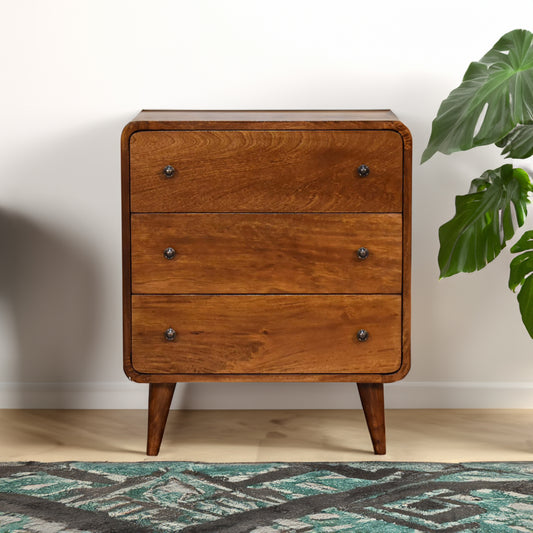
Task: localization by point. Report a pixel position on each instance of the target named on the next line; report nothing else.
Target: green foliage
(493, 104)
(519, 143)
(521, 275)
(500, 85)
(483, 220)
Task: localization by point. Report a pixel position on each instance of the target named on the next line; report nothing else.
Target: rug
(78, 497)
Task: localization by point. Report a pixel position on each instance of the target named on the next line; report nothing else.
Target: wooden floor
(234, 436)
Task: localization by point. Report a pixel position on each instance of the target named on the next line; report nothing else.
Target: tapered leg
(371, 395)
(159, 400)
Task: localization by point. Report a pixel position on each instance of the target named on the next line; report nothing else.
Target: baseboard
(401, 395)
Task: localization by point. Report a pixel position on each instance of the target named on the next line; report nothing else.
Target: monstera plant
(493, 105)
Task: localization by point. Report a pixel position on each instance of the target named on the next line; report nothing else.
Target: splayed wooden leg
(159, 400)
(371, 395)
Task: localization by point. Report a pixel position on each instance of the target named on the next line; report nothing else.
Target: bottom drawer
(266, 334)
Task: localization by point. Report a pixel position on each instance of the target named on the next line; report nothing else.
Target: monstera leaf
(496, 95)
(522, 276)
(483, 220)
(519, 143)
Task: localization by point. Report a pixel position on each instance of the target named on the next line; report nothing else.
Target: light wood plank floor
(249, 436)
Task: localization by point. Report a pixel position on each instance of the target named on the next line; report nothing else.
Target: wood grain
(266, 171)
(406, 252)
(126, 252)
(372, 400)
(159, 400)
(266, 334)
(267, 253)
(307, 377)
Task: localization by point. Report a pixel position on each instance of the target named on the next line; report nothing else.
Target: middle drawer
(266, 253)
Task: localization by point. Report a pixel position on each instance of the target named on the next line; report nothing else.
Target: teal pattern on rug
(79, 497)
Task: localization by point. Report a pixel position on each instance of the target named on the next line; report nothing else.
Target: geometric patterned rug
(78, 497)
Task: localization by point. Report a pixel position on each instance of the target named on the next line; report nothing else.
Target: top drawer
(266, 171)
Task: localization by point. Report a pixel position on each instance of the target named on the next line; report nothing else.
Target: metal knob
(361, 335)
(363, 171)
(170, 335)
(169, 253)
(362, 253)
(169, 171)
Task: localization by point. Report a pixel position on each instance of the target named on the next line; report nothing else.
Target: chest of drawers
(266, 246)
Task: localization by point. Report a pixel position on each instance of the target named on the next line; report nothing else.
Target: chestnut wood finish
(372, 399)
(280, 253)
(276, 171)
(266, 211)
(274, 334)
(159, 400)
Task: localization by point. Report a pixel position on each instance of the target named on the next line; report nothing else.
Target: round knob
(363, 171)
(169, 171)
(361, 335)
(362, 253)
(169, 253)
(170, 335)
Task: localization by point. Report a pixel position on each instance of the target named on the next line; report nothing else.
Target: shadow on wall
(48, 285)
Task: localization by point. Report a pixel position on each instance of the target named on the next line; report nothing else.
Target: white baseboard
(401, 395)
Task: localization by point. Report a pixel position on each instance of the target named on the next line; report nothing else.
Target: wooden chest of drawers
(266, 246)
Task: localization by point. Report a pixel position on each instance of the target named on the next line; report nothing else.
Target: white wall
(73, 73)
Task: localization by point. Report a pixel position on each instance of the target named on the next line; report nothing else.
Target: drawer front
(266, 171)
(275, 334)
(266, 253)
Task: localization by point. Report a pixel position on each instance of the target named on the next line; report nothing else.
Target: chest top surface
(275, 119)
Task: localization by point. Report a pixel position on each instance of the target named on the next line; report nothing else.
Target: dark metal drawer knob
(361, 335)
(362, 253)
(169, 253)
(170, 335)
(363, 171)
(169, 171)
